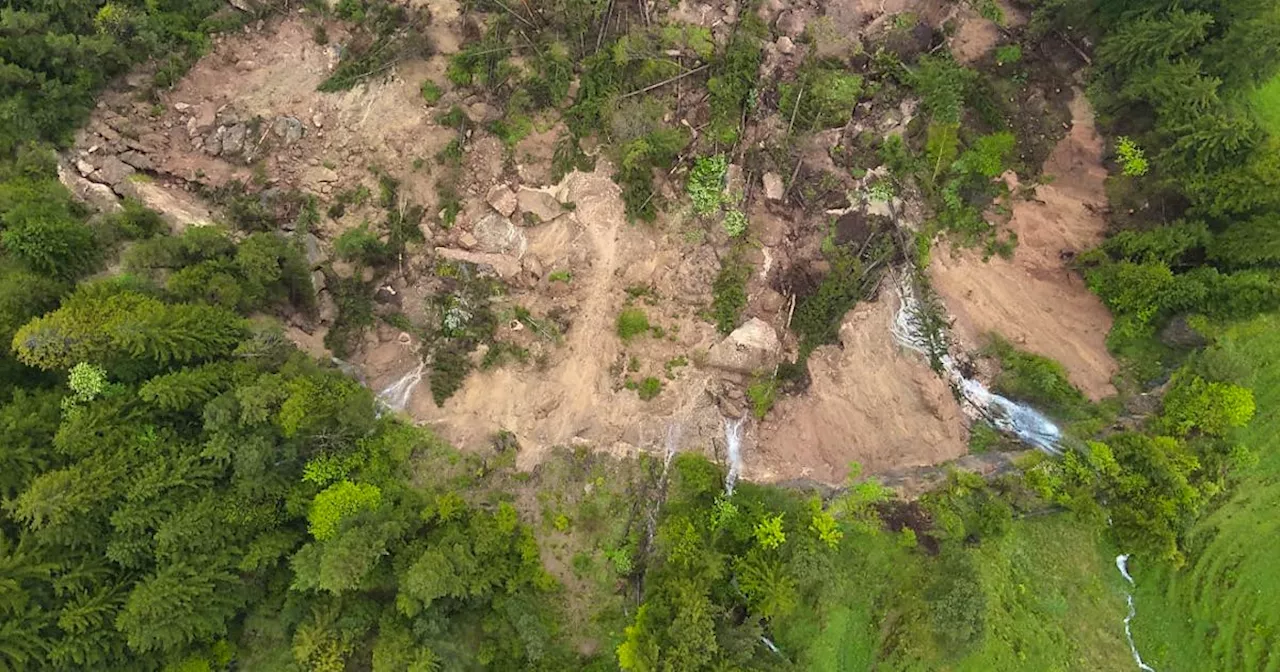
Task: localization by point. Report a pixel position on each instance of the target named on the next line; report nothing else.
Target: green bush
(821, 97)
(735, 223)
(362, 245)
(1036, 380)
(729, 293)
(431, 92)
(706, 183)
(762, 393)
(649, 388)
(632, 322)
(733, 81)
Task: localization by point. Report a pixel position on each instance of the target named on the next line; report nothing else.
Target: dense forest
(183, 489)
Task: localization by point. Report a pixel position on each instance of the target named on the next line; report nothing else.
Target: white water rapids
(1024, 422)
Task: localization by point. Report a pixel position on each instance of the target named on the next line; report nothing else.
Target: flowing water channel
(396, 395)
(1026, 423)
(1122, 564)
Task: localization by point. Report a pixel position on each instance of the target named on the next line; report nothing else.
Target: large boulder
(177, 207)
(112, 171)
(538, 206)
(502, 199)
(497, 235)
(751, 348)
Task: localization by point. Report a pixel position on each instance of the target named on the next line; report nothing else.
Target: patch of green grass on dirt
(1266, 102)
(1219, 612)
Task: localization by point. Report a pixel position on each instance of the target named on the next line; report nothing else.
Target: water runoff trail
(1026, 423)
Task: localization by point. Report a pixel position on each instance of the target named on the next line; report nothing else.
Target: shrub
(1035, 379)
(449, 368)
(735, 223)
(1133, 161)
(706, 183)
(362, 245)
(649, 388)
(431, 92)
(632, 322)
(762, 393)
(729, 293)
(822, 97)
(1195, 404)
(942, 84)
(1009, 53)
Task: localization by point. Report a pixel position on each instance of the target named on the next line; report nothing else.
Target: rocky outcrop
(751, 348)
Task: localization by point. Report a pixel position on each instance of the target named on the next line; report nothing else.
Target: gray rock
(113, 171)
(488, 264)
(735, 184)
(750, 348)
(318, 281)
(496, 234)
(328, 308)
(502, 199)
(319, 175)
(387, 295)
(543, 207)
(315, 256)
(288, 129)
(785, 45)
(773, 187)
(204, 118)
(137, 160)
(481, 113)
(233, 141)
(1180, 334)
(84, 168)
(97, 196)
(344, 269)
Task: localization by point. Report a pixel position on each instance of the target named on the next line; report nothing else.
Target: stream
(1122, 564)
(1023, 422)
(1026, 423)
(396, 395)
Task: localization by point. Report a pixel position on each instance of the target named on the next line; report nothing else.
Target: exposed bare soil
(1036, 299)
(870, 401)
(250, 111)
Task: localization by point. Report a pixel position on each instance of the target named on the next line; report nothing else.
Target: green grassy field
(1222, 612)
(1266, 100)
(1054, 601)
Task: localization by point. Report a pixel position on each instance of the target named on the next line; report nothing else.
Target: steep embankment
(1035, 299)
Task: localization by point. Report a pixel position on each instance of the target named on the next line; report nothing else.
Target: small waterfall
(1122, 564)
(769, 643)
(396, 395)
(674, 432)
(1024, 422)
(733, 446)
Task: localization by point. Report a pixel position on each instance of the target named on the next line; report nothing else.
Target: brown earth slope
(1035, 299)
